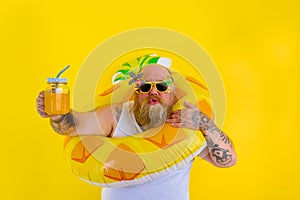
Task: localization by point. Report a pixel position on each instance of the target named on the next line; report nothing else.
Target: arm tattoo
(220, 154)
(224, 138)
(206, 125)
(195, 119)
(65, 125)
(200, 121)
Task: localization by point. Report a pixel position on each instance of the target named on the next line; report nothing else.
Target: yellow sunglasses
(147, 87)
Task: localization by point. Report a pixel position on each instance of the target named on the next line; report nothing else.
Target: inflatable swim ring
(120, 162)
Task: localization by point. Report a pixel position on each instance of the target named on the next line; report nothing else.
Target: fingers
(176, 115)
(40, 98)
(41, 94)
(41, 111)
(174, 120)
(181, 124)
(182, 113)
(176, 111)
(179, 114)
(177, 125)
(184, 118)
(40, 105)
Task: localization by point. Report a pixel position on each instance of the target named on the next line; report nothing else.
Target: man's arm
(220, 151)
(102, 121)
(64, 124)
(98, 122)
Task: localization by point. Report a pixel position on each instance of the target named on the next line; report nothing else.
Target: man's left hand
(188, 117)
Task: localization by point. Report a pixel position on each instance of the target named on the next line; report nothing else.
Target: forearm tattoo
(212, 134)
(65, 125)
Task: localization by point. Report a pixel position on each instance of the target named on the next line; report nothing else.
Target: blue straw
(62, 71)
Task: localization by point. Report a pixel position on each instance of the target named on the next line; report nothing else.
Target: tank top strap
(127, 124)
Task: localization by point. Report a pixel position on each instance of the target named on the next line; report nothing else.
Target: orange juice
(57, 96)
(57, 103)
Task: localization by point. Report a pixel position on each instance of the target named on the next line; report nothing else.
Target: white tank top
(173, 186)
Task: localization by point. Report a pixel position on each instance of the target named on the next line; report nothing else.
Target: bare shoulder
(117, 110)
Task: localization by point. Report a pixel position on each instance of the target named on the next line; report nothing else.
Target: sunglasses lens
(162, 87)
(145, 87)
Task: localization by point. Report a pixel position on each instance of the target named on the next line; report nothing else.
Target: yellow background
(255, 45)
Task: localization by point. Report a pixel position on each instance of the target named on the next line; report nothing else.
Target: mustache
(145, 104)
(160, 100)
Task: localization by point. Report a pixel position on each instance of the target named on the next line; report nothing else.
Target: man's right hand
(40, 107)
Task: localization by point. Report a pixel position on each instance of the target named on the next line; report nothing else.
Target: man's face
(152, 108)
(156, 73)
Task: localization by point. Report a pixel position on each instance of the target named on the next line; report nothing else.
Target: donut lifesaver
(119, 162)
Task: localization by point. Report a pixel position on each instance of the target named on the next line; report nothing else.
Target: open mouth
(153, 101)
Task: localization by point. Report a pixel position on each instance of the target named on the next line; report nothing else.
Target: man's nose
(153, 92)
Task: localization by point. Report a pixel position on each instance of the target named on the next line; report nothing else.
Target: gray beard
(157, 115)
